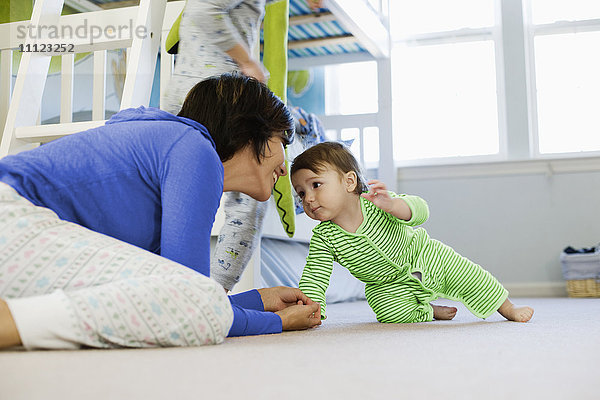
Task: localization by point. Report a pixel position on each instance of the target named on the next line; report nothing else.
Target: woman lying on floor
(105, 234)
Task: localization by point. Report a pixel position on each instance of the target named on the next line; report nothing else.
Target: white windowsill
(542, 166)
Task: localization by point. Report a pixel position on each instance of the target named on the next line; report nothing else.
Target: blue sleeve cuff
(252, 322)
(249, 300)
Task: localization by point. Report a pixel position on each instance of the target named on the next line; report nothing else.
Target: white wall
(514, 225)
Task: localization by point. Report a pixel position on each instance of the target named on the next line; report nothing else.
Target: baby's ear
(350, 180)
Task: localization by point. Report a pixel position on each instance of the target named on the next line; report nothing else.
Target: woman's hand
(300, 317)
(281, 297)
(295, 309)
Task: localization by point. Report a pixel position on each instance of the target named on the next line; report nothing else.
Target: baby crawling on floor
(371, 232)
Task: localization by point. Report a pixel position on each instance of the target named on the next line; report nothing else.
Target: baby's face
(323, 194)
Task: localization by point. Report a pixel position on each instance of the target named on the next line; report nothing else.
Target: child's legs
(238, 238)
(461, 279)
(399, 303)
(68, 286)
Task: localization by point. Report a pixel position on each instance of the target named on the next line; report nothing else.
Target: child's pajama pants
(68, 287)
(439, 271)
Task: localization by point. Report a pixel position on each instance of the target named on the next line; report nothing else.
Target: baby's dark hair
(334, 154)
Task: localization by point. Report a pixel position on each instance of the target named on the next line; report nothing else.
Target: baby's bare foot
(514, 313)
(443, 312)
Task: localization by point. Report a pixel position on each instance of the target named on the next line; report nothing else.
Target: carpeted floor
(554, 356)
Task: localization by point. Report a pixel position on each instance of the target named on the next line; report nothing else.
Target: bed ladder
(22, 129)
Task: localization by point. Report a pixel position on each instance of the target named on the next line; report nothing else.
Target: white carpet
(554, 356)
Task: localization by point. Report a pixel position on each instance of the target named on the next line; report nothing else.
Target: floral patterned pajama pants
(68, 287)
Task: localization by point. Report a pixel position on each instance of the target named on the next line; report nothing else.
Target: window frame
(531, 31)
(493, 34)
(512, 35)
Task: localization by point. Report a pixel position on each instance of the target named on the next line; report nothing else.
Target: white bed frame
(20, 105)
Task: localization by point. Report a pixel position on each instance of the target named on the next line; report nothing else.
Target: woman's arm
(191, 189)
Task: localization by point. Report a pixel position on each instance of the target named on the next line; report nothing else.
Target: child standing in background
(370, 232)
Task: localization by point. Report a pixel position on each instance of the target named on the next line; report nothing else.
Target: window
(371, 146)
(352, 135)
(351, 91)
(566, 39)
(351, 88)
(549, 11)
(444, 79)
(444, 105)
(363, 143)
(413, 17)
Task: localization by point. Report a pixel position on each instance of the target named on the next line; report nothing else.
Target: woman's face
(271, 167)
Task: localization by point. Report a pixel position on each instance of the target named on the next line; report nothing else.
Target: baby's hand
(379, 195)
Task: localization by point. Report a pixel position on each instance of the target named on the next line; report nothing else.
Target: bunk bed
(344, 31)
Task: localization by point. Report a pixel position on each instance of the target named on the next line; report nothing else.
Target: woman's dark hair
(238, 111)
(323, 155)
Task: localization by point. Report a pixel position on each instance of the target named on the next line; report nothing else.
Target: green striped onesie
(389, 255)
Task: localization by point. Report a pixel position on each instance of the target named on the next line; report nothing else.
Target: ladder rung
(46, 133)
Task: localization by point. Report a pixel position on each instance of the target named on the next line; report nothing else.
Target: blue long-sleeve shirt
(249, 317)
(147, 177)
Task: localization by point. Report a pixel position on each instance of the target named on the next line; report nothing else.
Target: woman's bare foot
(513, 313)
(443, 312)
